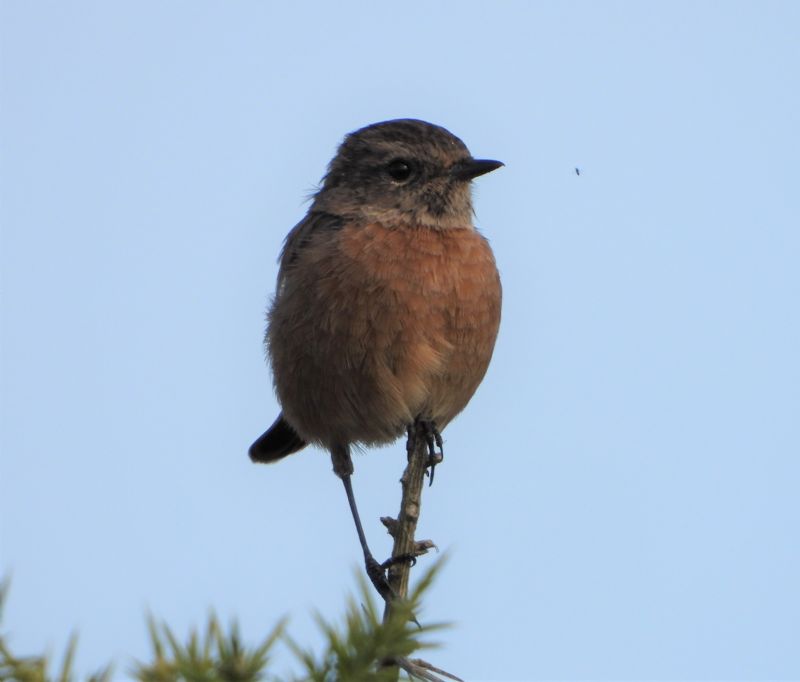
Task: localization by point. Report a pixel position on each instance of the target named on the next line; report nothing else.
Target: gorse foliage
(214, 656)
(37, 668)
(362, 647)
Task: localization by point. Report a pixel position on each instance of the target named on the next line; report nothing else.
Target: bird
(387, 303)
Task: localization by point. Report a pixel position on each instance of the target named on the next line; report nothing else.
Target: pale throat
(457, 215)
(453, 219)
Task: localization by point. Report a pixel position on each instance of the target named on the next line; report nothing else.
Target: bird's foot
(377, 573)
(407, 558)
(426, 428)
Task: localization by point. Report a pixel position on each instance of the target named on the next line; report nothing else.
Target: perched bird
(387, 304)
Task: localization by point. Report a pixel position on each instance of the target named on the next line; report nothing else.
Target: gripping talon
(426, 428)
(433, 439)
(409, 558)
(433, 460)
(377, 575)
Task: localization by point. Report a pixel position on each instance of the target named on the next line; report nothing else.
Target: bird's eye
(399, 170)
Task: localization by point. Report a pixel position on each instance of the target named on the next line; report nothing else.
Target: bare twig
(403, 528)
(419, 669)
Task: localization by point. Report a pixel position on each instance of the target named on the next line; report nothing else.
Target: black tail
(276, 442)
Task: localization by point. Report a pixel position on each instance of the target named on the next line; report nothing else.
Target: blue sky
(619, 499)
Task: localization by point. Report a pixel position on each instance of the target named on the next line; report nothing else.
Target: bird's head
(403, 172)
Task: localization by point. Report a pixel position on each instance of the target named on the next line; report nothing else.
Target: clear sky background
(620, 499)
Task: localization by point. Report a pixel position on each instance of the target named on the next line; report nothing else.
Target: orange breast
(444, 310)
(385, 324)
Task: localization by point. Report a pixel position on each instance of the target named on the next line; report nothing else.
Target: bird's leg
(343, 468)
(433, 439)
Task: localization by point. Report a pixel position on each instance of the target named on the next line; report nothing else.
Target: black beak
(469, 169)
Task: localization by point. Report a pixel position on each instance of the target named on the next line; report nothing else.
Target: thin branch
(403, 528)
(422, 670)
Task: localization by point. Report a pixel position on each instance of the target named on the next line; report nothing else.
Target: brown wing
(301, 234)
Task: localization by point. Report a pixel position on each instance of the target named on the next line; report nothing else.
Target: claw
(433, 460)
(409, 558)
(433, 439)
(377, 575)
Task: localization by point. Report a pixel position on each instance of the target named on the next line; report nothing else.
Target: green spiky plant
(363, 647)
